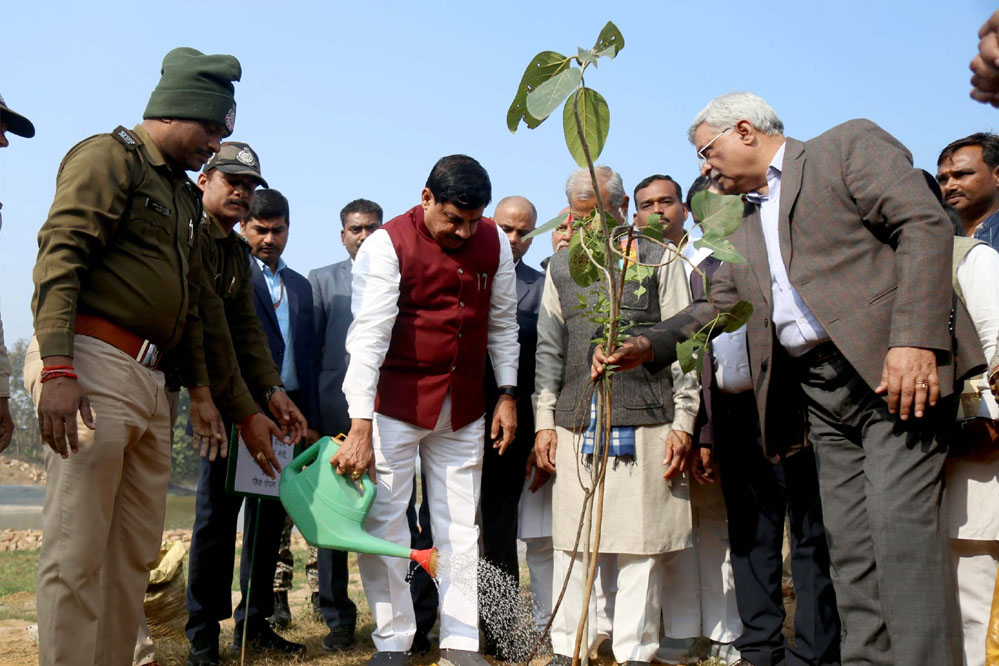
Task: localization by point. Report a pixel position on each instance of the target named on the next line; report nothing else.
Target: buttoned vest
(439, 338)
(638, 396)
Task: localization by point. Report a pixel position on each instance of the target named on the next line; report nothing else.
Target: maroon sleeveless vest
(439, 338)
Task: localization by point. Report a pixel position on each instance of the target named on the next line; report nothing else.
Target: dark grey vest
(639, 397)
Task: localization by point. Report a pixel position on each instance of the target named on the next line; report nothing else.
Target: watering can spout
(427, 559)
(329, 510)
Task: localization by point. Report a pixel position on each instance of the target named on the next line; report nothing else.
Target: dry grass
(17, 650)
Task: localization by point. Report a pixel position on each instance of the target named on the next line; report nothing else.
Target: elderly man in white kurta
(433, 291)
(645, 515)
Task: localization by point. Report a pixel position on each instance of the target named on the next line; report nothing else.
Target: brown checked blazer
(868, 248)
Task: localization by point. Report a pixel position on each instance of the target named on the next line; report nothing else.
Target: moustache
(237, 202)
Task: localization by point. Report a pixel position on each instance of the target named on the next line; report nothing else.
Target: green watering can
(329, 509)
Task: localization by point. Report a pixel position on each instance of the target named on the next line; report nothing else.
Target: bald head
(517, 217)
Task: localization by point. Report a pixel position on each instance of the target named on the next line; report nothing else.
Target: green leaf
(609, 42)
(550, 225)
(737, 316)
(582, 270)
(594, 117)
(721, 248)
(690, 352)
(719, 214)
(585, 56)
(653, 227)
(544, 66)
(546, 97)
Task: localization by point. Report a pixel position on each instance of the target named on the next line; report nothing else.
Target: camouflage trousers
(284, 571)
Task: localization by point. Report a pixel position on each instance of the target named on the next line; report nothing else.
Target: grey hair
(579, 186)
(726, 110)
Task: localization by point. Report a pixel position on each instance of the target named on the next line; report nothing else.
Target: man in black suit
(331, 301)
(502, 475)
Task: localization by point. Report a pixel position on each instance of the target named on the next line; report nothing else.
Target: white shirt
(978, 274)
(375, 305)
(797, 328)
(729, 351)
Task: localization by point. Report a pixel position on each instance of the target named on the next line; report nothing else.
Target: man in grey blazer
(848, 259)
(331, 300)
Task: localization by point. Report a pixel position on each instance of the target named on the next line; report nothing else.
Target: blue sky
(359, 100)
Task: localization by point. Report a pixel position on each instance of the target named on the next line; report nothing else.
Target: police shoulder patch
(126, 137)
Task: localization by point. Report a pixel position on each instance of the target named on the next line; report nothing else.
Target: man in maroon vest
(433, 291)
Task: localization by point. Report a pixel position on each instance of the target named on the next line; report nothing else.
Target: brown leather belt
(145, 352)
(819, 354)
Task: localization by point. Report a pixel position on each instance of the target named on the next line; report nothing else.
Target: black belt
(819, 354)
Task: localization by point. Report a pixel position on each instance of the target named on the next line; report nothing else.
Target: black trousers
(502, 483)
(334, 604)
(422, 586)
(758, 496)
(881, 482)
(209, 582)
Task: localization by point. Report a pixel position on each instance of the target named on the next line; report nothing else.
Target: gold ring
(261, 457)
(355, 475)
(921, 384)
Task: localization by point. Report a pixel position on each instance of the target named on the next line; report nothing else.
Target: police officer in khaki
(116, 285)
(15, 123)
(239, 380)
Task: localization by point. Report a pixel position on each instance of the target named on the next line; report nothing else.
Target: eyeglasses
(701, 157)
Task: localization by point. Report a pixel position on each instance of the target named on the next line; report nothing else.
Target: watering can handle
(367, 494)
(309, 455)
(304, 458)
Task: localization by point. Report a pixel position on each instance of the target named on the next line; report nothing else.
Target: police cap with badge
(236, 159)
(15, 122)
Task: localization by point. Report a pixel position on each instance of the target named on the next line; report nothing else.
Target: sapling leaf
(720, 214)
(546, 97)
(690, 351)
(737, 316)
(653, 227)
(550, 225)
(721, 248)
(609, 42)
(582, 270)
(594, 119)
(544, 66)
(586, 56)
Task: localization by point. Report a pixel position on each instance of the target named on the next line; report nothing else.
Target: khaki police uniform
(236, 350)
(116, 284)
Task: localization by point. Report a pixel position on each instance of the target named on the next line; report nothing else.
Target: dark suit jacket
(303, 332)
(868, 248)
(331, 302)
(530, 285)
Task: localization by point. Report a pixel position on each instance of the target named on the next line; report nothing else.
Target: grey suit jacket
(331, 303)
(868, 248)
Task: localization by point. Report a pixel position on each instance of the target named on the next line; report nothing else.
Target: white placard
(250, 479)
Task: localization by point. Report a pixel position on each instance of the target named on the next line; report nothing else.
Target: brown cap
(16, 123)
(237, 159)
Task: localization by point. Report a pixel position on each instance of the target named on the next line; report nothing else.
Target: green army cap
(237, 159)
(16, 123)
(195, 86)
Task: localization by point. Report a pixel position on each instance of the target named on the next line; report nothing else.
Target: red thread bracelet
(55, 374)
(245, 422)
(57, 367)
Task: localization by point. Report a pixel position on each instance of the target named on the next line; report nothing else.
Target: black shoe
(339, 638)
(265, 638)
(281, 618)
(204, 655)
(421, 644)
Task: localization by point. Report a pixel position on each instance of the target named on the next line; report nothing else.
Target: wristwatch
(271, 391)
(510, 391)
